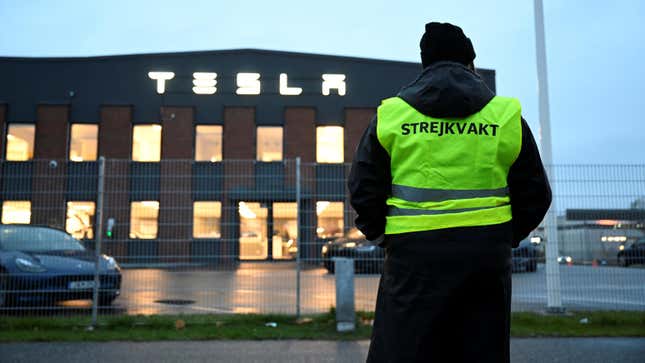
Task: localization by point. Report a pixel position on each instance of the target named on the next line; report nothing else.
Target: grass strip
(314, 327)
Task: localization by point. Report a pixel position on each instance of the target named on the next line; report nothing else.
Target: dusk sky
(594, 48)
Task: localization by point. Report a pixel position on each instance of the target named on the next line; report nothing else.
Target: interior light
(285, 89)
(321, 206)
(245, 211)
(150, 204)
(606, 222)
(161, 78)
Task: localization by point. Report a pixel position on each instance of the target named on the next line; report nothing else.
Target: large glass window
(269, 143)
(144, 219)
(80, 219)
(83, 143)
(16, 211)
(329, 144)
(206, 219)
(20, 142)
(330, 219)
(146, 143)
(208, 143)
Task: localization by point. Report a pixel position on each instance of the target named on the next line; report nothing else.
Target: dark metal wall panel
(82, 179)
(330, 182)
(16, 180)
(207, 180)
(270, 177)
(87, 83)
(144, 181)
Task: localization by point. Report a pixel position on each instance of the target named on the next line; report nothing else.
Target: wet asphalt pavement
(271, 288)
(587, 350)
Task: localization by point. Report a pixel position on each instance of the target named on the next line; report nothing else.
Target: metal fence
(258, 237)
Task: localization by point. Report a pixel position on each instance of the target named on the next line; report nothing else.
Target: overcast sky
(594, 48)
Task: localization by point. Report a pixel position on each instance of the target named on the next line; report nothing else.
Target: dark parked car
(633, 255)
(42, 265)
(527, 255)
(368, 258)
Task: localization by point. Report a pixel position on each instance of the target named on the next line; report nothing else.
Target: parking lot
(271, 288)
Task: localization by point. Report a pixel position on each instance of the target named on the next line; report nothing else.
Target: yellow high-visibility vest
(449, 172)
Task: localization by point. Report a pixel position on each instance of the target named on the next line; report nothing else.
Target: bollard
(345, 309)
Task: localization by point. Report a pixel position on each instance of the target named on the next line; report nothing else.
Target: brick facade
(175, 194)
(300, 133)
(49, 180)
(3, 128)
(356, 121)
(115, 144)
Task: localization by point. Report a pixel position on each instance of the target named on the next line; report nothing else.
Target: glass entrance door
(285, 231)
(256, 219)
(253, 231)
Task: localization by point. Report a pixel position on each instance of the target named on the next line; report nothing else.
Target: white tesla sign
(205, 83)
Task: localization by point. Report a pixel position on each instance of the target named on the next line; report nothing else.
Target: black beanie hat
(445, 42)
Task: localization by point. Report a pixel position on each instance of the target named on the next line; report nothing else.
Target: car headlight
(111, 263)
(29, 266)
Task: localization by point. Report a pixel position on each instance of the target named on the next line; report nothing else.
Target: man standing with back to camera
(447, 178)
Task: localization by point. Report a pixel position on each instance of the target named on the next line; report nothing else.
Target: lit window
(329, 144)
(83, 142)
(80, 219)
(16, 212)
(269, 143)
(20, 142)
(206, 219)
(208, 143)
(285, 230)
(144, 219)
(146, 143)
(330, 219)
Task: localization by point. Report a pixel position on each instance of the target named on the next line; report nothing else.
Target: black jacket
(447, 89)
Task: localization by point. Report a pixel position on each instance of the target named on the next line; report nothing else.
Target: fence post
(345, 305)
(98, 237)
(553, 287)
(554, 301)
(298, 236)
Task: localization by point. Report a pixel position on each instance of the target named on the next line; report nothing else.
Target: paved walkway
(587, 350)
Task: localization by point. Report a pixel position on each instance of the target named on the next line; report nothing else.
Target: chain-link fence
(180, 236)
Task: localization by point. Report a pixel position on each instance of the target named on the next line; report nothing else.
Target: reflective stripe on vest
(449, 173)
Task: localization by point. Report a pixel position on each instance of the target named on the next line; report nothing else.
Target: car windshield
(32, 239)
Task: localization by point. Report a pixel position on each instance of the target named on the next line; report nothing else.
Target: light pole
(553, 298)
